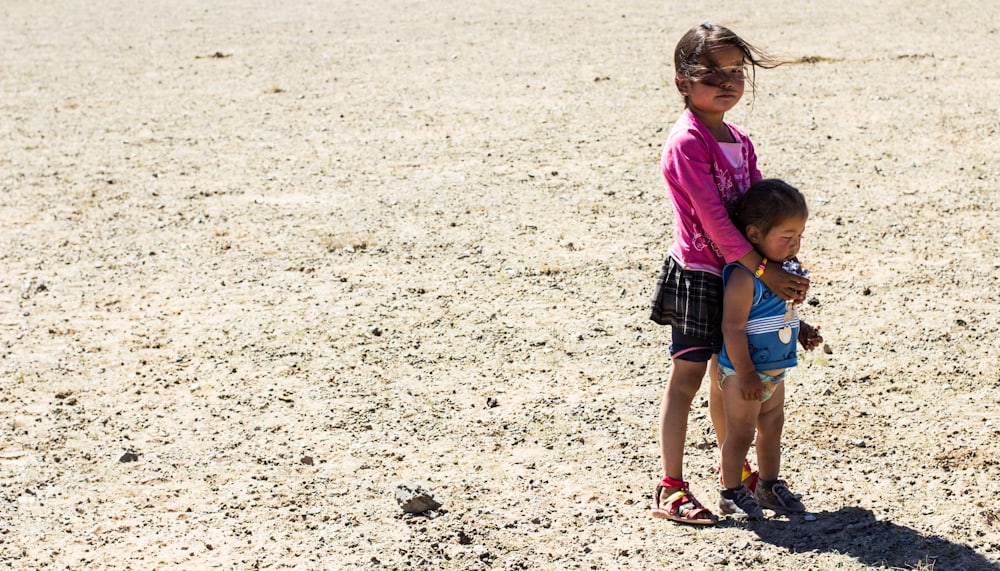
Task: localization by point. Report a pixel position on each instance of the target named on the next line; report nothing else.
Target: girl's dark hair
(767, 203)
(703, 39)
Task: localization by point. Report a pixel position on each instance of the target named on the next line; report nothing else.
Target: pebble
(415, 498)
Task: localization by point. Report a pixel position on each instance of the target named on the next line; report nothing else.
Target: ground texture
(261, 262)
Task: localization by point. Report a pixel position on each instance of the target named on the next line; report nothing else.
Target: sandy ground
(261, 262)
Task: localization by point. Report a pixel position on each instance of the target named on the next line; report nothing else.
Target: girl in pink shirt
(708, 165)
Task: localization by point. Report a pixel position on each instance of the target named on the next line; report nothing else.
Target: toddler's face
(782, 241)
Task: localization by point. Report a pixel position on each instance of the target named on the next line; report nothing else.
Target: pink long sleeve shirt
(704, 186)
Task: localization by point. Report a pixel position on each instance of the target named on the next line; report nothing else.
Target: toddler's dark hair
(705, 38)
(767, 203)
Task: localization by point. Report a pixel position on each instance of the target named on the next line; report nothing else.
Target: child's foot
(680, 505)
(750, 476)
(775, 495)
(740, 502)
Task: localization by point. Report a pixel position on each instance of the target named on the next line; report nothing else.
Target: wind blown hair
(705, 38)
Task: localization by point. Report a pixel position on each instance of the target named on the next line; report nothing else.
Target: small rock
(809, 517)
(129, 457)
(463, 538)
(719, 560)
(827, 349)
(491, 402)
(415, 498)
(307, 460)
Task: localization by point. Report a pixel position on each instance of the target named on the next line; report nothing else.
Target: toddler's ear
(753, 234)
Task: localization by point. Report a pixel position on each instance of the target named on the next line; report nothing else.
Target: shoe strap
(668, 482)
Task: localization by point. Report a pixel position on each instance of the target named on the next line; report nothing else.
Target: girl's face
(782, 241)
(720, 87)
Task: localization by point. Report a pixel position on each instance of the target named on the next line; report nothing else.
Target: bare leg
(716, 410)
(685, 379)
(741, 420)
(769, 426)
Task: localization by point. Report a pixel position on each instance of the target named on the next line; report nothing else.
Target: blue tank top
(770, 336)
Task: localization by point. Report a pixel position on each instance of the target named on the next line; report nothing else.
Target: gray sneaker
(778, 497)
(744, 505)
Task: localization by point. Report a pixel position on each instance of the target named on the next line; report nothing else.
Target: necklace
(791, 314)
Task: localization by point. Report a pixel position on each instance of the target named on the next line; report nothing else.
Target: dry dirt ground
(263, 261)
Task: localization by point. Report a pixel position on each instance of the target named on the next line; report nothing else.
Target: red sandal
(681, 506)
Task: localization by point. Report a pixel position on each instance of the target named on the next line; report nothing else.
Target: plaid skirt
(688, 300)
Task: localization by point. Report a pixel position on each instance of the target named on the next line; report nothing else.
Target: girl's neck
(716, 125)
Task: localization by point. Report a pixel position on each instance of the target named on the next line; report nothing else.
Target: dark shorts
(690, 302)
(687, 348)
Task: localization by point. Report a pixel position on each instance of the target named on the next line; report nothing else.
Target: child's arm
(735, 310)
(687, 165)
(787, 286)
(809, 336)
(691, 174)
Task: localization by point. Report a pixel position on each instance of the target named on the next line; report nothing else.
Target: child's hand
(809, 336)
(751, 387)
(789, 287)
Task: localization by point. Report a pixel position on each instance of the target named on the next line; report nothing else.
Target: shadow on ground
(855, 531)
